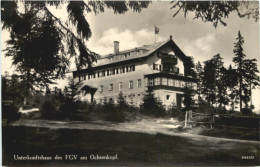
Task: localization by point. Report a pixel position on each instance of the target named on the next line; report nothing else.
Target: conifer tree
(239, 62)
(151, 105)
(199, 72)
(122, 104)
(251, 78)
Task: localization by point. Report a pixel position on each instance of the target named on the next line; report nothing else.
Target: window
(116, 70)
(182, 84)
(155, 66)
(138, 95)
(110, 87)
(112, 71)
(170, 82)
(178, 83)
(120, 86)
(131, 68)
(101, 88)
(126, 68)
(157, 81)
(194, 85)
(103, 73)
(84, 77)
(122, 70)
(168, 97)
(164, 81)
(151, 82)
(110, 100)
(107, 72)
(139, 83)
(79, 78)
(189, 84)
(131, 84)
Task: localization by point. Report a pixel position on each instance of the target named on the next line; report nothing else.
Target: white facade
(131, 72)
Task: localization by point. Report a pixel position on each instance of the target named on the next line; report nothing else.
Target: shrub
(203, 107)
(68, 109)
(152, 106)
(115, 115)
(176, 113)
(48, 110)
(10, 112)
(247, 111)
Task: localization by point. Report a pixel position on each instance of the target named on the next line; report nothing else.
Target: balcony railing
(168, 58)
(169, 82)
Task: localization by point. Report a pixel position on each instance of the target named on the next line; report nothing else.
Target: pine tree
(208, 81)
(239, 62)
(151, 105)
(251, 78)
(230, 80)
(199, 71)
(72, 90)
(122, 104)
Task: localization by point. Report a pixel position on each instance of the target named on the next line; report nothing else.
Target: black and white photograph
(130, 83)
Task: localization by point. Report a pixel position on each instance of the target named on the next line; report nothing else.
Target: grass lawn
(132, 148)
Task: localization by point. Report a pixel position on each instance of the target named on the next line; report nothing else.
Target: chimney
(116, 47)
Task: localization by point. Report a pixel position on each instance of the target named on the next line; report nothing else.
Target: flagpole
(154, 35)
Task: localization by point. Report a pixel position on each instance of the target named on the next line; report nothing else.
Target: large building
(160, 66)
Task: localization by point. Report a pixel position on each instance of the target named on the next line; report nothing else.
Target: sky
(194, 37)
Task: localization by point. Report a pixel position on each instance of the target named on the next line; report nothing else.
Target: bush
(10, 112)
(48, 110)
(204, 107)
(115, 116)
(176, 113)
(247, 111)
(152, 106)
(68, 109)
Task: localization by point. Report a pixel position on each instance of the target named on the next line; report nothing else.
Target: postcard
(130, 83)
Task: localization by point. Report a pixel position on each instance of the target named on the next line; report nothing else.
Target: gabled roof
(149, 49)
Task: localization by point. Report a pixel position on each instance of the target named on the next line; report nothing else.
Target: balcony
(170, 69)
(168, 59)
(170, 82)
(166, 68)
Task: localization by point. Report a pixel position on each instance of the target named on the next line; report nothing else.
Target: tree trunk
(240, 93)
(250, 89)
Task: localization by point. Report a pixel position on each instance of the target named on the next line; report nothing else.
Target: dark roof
(149, 49)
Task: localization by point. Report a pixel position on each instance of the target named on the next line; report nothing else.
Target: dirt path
(149, 126)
